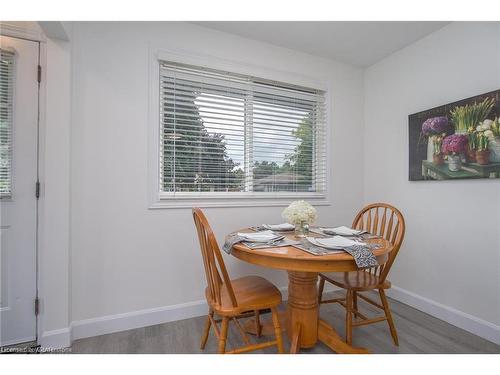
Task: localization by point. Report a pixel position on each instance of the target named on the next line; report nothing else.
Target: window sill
(246, 201)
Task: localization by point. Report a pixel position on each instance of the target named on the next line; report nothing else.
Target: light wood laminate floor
(418, 333)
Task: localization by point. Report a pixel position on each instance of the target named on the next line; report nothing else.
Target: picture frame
(458, 140)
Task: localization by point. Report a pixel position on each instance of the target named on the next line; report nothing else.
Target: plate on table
(343, 231)
(335, 242)
(262, 236)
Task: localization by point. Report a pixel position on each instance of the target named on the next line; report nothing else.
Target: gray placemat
(362, 254)
(233, 239)
(283, 242)
(305, 245)
(327, 233)
(258, 228)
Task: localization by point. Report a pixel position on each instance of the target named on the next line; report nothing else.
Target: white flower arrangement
(299, 212)
(489, 134)
(485, 125)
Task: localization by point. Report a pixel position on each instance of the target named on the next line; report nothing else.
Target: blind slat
(6, 101)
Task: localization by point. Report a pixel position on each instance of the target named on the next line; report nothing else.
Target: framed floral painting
(460, 140)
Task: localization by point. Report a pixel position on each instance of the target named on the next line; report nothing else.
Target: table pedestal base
(301, 319)
(302, 309)
(328, 336)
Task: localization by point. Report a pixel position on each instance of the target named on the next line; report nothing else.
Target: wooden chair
(233, 299)
(385, 221)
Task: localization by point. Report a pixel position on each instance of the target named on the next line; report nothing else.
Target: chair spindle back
(386, 221)
(215, 270)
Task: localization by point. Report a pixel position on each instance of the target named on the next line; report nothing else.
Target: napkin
(256, 237)
(279, 227)
(360, 251)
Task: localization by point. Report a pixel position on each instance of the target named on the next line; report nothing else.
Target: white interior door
(18, 174)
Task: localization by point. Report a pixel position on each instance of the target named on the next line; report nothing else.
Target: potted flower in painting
(454, 146)
(472, 145)
(470, 115)
(301, 214)
(493, 134)
(482, 152)
(437, 142)
(431, 127)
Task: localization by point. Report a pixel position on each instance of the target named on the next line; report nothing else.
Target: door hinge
(39, 76)
(37, 189)
(37, 306)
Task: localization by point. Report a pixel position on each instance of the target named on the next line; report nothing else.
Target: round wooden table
(303, 325)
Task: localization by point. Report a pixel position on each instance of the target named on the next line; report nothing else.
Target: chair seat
(251, 292)
(357, 281)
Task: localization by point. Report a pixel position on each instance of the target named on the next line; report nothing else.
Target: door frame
(32, 35)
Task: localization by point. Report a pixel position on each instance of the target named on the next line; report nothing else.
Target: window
(225, 134)
(6, 99)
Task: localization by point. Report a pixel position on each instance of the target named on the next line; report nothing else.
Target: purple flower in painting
(455, 144)
(435, 125)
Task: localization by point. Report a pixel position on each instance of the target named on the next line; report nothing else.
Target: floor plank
(418, 333)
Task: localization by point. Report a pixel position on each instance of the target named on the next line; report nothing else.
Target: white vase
(454, 163)
(494, 147)
(301, 229)
(430, 150)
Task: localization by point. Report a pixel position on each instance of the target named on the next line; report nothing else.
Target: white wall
(451, 253)
(124, 257)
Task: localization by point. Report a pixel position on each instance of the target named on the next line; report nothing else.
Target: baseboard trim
(470, 323)
(17, 341)
(137, 319)
(80, 329)
(58, 338)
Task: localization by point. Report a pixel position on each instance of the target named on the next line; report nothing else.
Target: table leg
(294, 344)
(328, 336)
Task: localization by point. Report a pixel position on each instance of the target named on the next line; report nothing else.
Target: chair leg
(207, 330)
(388, 315)
(355, 302)
(277, 330)
(258, 327)
(348, 317)
(320, 288)
(223, 335)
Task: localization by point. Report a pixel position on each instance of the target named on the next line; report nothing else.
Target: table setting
(298, 232)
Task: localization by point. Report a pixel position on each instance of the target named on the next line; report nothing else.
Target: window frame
(159, 199)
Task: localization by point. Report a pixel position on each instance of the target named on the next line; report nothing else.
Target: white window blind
(229, 133)
(6, 101)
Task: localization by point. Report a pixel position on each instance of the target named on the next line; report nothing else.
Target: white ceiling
(358, 43)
